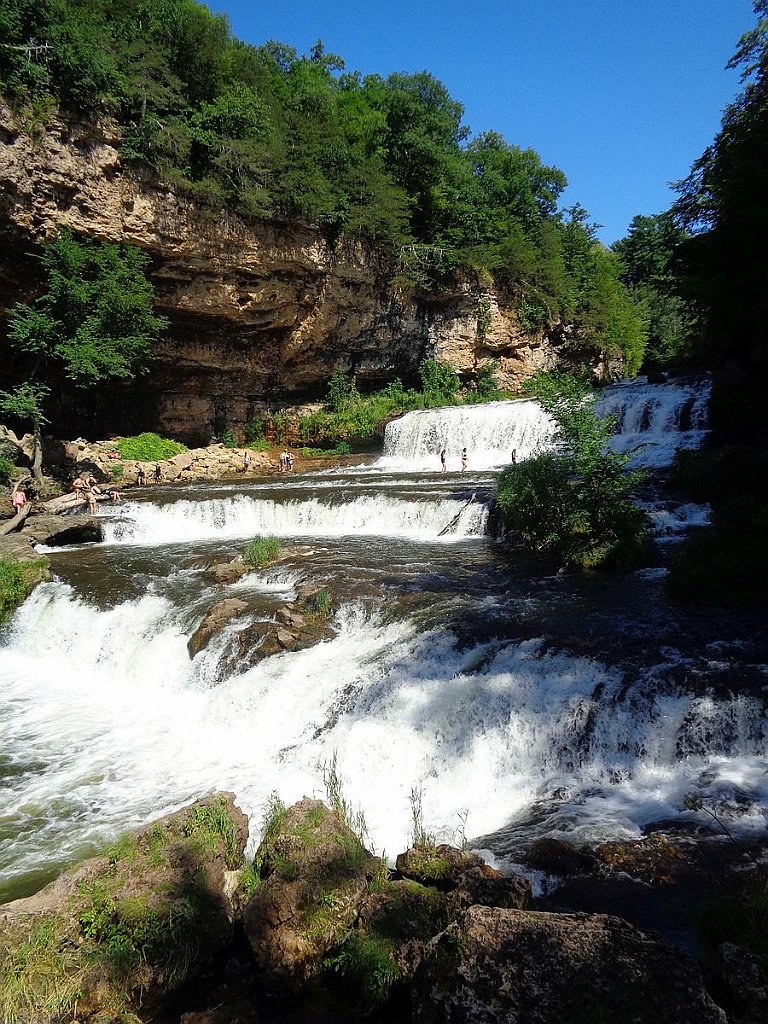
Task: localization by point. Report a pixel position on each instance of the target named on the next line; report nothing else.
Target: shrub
(367, 964)
(148, 447)
(7, 469)
(255, 430)
(228, 439)
(261, 551)
(574, 504)
(439, 383)
(17, 579)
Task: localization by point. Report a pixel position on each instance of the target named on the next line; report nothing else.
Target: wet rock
(213, 621)
(523, 967)
(557, 857)
(655, 858)
(57, 531)
(229, 572)
(441, 866)
(127, 930)
(291, 618)
(478, 886)
(745, 980)
(314, 878)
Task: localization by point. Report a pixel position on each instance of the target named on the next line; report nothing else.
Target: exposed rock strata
(260, 313)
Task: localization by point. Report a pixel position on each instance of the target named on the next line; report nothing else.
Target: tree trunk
(14, 524)
(37, 459)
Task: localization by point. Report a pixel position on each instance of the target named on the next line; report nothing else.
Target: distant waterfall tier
(244, 516)
(489, 432)
(653, 421)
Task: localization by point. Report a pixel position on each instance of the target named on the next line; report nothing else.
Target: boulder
(314, 872)
(126, 930)
(522, 967)
(745, 980)
(558, 857)
(441, 866)
(213, 621)
(229, 572)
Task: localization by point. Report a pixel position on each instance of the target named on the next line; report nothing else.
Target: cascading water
(437, 674)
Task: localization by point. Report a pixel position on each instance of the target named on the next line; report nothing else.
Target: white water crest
(653, 421)
(244, 515)
(107, 722)
(489, 432)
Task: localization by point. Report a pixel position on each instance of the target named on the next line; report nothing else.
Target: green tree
(573, 502)
(94, 322)
(648, 256)
(723, 205)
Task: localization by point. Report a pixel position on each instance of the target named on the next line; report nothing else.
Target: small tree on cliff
(95, 322)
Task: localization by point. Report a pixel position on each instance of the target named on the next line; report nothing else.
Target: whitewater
(520, 704)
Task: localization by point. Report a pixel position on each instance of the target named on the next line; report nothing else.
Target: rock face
(519, 967)
(260, 313)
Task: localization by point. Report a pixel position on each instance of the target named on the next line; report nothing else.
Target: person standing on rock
(158, 474)
(18, 498)
(246, 461)
(463, 459)
(141, 477)
(442, 460)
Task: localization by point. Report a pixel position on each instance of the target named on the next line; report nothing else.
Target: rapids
(522, 703)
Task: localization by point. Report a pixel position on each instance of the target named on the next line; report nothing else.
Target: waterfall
(489, 432)
(108, 722)
(245, 515)
(653, 421)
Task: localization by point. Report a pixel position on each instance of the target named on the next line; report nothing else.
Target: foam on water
(244, 515)
(108, 722)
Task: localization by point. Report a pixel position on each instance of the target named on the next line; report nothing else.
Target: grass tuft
(261, 551)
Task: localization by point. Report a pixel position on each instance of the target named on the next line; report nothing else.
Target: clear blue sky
(621, 95)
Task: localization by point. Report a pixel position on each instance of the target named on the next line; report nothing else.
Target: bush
(149, 447)
(261, 551)
(17, 580)
(574, 504)
(228, 439)
(7, 469)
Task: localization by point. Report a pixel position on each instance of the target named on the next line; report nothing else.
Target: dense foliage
(272, 133)
(148, 447)
(650, 270)
(724, 205)
(573, 502)
(94, 322)
(725, 563)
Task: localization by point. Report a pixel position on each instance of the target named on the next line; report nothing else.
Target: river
(519, 701)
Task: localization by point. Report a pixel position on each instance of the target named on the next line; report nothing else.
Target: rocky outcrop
(261, 314)
(213, 621)
(520, 967)
(314, 876)
(125, 930)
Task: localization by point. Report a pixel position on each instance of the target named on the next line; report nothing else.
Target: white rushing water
(653, 421)
(109, 723)
(245, 515)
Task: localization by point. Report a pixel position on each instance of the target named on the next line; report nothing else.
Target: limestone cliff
(261, 314)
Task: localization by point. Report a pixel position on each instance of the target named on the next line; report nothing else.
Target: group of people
(286, 461)
(464, 460)
(87, 487)
(141, 476)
